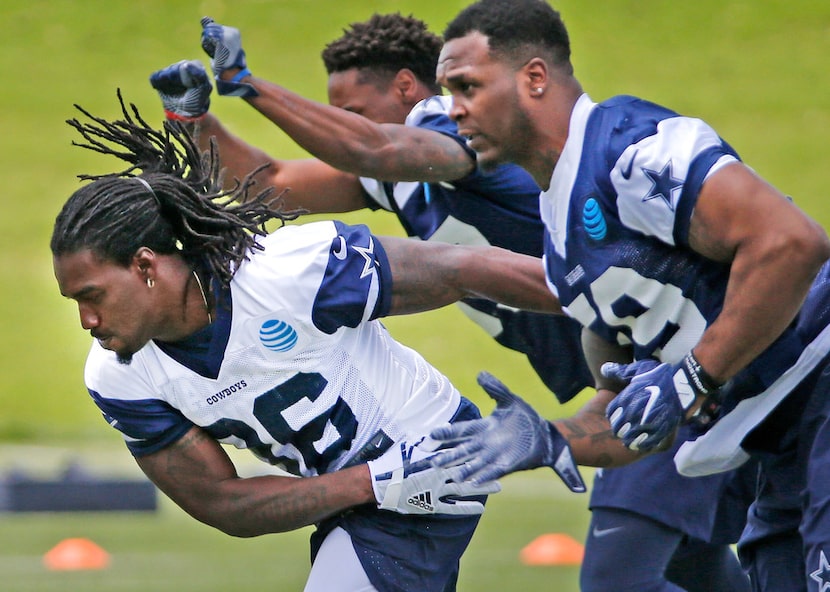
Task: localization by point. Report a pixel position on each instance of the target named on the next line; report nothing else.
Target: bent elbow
(811, 248)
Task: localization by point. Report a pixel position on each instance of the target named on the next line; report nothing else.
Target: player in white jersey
(660, 240)
(209, 331)
(393, 137)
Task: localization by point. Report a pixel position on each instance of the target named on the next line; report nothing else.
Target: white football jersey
(294, 368)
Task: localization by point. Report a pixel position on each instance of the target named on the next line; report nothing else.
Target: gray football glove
(184, 88)
(224, 46)
(405, 482)
(513, 438)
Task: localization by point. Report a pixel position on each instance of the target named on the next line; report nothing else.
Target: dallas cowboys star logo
(368, 254)
(822, 574)
(662, 185)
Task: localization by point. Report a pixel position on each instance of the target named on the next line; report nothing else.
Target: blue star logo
(663, 185)
(822, 573)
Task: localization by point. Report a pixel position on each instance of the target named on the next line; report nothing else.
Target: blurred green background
(756, 70)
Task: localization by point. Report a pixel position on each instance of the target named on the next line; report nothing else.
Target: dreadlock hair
(175, 205)
(515, 29)
(383, 45)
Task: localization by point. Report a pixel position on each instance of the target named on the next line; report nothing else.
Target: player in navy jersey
(208, 330)
(386, 120)
(659, 240)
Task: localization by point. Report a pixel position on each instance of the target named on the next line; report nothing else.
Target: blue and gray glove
(513, 438)
(184, 88)
(224, 46)
(405, 482)
(647, 412)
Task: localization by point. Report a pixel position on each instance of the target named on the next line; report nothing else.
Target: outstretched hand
(513, 438)
(404, 481)
(184, 89)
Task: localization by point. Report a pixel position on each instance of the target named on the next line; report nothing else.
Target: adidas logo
(422, 500)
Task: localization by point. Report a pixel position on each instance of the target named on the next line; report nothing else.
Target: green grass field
(755, 70)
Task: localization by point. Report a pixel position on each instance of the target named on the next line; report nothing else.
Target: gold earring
(150, 282)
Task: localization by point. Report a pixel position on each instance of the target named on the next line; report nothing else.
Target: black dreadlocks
(184, 210)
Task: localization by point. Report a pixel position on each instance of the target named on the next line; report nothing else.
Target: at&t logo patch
(277, 335)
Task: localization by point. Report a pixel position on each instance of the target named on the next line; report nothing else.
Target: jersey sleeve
(356, 285)
(657, 179)
(128, 403)
(147, 425)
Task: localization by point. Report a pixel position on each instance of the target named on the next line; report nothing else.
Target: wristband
(703, 384)
(240, 75)
(177, 117)
(700, 380)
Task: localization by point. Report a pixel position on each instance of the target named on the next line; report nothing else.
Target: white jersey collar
(553, 203)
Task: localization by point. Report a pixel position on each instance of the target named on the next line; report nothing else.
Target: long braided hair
(176, 204)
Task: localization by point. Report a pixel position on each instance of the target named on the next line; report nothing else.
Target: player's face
(113, 300)
(486, 103)
(350, 91)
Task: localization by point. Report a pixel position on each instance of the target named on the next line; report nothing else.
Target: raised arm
(428, 275)
(311, 184)
(350, 142)
(345, 140)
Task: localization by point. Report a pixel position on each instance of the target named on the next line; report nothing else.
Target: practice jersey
(499, 208)
(295, 367)
(617, 255)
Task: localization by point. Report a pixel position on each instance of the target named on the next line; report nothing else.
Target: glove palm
(513, 438)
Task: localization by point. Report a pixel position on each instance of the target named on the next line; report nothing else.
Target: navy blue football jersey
(499, 208)
(617, 215)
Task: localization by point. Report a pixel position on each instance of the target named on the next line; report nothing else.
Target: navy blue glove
(184, 88)
(513, 438)
(647, 412)
(224, 46)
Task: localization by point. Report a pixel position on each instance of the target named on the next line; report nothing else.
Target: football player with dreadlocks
(208, 330)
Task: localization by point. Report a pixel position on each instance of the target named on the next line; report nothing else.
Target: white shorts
(337, 568)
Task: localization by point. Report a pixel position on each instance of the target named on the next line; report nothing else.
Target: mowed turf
(755, 70)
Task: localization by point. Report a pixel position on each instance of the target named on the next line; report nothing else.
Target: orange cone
(553, 549)
(76, 554)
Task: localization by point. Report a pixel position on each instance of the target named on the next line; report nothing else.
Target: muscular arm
(775, 252)
(352, 143)
(312, 184)
(196, 473)
(429, 275)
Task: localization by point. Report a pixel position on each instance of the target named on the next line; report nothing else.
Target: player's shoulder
(628, 118)
(626, 105)
(285, 255)
(103, 373)
(296, 235)
(431, 108)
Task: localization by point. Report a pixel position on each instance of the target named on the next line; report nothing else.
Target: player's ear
(405, 84)
(143, 262)
(535, 77)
